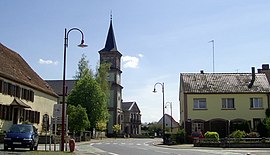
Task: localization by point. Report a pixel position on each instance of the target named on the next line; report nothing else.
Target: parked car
(21, 136)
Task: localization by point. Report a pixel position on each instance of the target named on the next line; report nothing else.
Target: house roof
(167, 117)
(15, 68)
(223, 83)
(57, 85)
(130, 106)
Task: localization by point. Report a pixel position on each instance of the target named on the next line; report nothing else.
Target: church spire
(110, 42)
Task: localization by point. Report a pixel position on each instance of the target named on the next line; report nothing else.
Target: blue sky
(158, 40)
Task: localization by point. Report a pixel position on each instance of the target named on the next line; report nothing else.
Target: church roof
(110, 44)
(57, 85)
(130, 106)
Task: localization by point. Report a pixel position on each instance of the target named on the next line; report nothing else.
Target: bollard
(71, 145)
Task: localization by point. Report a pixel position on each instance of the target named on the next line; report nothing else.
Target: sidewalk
(56, 148)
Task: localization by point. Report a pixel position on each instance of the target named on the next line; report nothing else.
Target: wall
(214, 107)
(43, 103)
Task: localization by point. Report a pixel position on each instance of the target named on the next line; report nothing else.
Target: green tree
(88, 94)
(83, 68)
(267, 123)
(91, 92)
(102, 78)
(78, 119)
(154, 127)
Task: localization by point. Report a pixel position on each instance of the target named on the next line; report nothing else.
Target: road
(140, 147)
(148, 147)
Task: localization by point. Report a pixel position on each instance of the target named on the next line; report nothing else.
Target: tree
(78, 120)
(83, 68)
(267, 123)
(91, 92)
(88, 94)
(102, 78)
(154, 127)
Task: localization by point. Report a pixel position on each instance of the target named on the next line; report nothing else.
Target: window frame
(225, 103)
(199, 104)
(256, 103)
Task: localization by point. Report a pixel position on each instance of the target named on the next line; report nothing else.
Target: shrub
(253, 135)
(181, 132)
(238, 134)
(267, 112)
(212, 135)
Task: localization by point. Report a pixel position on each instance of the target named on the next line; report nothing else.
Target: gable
(130, 106)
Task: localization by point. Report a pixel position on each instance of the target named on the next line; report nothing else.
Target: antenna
(111, 15)
(213, 45)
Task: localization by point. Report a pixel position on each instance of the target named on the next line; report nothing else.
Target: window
(199, 103)
(1, 86)
(228, 103)
(256, 103)
(16, 91)
(197, 127)
(1, 111)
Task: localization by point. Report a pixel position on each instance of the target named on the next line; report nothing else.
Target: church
(130, 121)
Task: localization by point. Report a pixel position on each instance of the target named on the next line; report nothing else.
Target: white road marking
(112, 153)
(161, 152)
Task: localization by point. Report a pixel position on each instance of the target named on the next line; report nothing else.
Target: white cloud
(130, 62)
(47, 62)
(140, 55)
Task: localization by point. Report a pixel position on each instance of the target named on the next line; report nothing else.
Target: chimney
(202, 72)
(252, 78)
(265, 66)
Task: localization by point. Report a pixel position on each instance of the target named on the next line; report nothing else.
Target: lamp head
(154, 91)
(82, 45)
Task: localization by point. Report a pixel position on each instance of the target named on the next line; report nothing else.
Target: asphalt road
(150, 147)
(137, 147)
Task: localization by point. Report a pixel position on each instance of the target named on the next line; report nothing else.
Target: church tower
(110, 54)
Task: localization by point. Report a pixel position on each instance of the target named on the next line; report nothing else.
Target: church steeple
(110, 42)
(109, 54)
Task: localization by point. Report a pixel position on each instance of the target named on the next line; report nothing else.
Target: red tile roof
(15, 68)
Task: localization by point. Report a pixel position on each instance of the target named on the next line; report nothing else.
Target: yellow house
(220, 101)
(24, 95)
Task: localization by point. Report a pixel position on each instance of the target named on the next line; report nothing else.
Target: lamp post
(163, 131)
(171, 113)
(64, 80)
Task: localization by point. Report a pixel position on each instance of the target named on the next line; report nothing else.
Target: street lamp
(64, 80)
(171, 113)
(163, 131)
